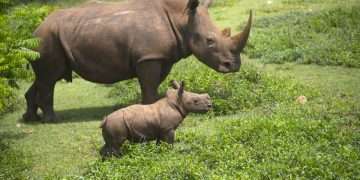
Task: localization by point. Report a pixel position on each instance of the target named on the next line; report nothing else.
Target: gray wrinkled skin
(111, 42)
(157, 121)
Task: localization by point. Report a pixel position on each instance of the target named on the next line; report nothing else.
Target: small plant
(326, 37)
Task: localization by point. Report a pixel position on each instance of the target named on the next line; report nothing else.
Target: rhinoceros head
(215, 48)
(189, 101)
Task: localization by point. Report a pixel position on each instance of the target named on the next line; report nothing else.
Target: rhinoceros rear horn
(241, 38)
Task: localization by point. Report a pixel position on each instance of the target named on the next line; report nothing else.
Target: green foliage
(6, 96)
(326, 37)
(230, 92)
(16, 45)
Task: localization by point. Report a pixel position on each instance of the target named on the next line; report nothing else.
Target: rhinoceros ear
(226, 32)
(192, 5)
(175, 84)
(181, 89)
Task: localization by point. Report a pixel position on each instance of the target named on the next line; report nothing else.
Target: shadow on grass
(96, 113)
(85, 114)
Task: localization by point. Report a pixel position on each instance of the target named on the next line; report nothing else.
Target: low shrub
(16, 46)
(326, 37)
(240, 91)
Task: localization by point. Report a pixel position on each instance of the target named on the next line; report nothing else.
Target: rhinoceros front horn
(241, 38)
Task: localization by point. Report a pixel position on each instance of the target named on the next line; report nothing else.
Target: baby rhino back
(136, 123)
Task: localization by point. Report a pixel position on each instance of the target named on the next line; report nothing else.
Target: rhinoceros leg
(31, 111)
(45, 100)
(169, 137)
(149, 74)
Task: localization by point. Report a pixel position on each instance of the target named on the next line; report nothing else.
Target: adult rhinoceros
(110, 42)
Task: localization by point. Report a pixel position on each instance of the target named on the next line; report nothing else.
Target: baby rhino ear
(181, 89)
(175, 84)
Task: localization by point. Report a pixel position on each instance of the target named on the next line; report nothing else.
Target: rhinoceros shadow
(96, 113)
(82, 114)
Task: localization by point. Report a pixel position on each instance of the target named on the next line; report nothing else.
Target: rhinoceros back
(104, 42)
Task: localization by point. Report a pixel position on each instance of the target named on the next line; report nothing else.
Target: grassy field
(266, 135)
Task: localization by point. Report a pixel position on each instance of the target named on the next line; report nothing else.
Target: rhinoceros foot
(31, 117)
(50, 118)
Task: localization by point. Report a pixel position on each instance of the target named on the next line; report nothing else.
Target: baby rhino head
(189, 101)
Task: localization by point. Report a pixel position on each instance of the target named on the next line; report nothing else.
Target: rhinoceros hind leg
(106, 151)
(31, 111)
(112, 149)
(45, 100)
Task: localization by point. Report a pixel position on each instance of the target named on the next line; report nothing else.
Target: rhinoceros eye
(196, 101)
(210, 42)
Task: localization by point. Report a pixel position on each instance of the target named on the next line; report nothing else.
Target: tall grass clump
(16, 45)
(325, 37)
(240, 91)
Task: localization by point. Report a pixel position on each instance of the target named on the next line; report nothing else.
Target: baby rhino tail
(103, 123)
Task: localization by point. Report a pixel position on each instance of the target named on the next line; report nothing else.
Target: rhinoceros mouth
(228, 67)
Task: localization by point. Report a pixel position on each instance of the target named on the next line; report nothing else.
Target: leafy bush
(326, 37)
(230, 92)
(16, 46)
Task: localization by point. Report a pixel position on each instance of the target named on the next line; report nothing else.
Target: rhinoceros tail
(103, 123)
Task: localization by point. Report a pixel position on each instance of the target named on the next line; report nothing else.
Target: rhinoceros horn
(241, 38)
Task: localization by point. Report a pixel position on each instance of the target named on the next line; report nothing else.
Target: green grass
(65, 147)
(327, 36)
(275, 140)
(266, 135)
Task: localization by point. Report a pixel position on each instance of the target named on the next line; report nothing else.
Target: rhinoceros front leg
(31, 110)
(149, 75)
(45, 100)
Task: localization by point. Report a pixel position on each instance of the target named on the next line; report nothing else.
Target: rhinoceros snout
(228, 67)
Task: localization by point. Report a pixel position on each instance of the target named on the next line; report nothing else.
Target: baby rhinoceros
(157, 121)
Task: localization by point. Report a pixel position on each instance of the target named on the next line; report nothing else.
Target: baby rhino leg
(112, 148)
(114, 136)
(169, 137)
(115, 147)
